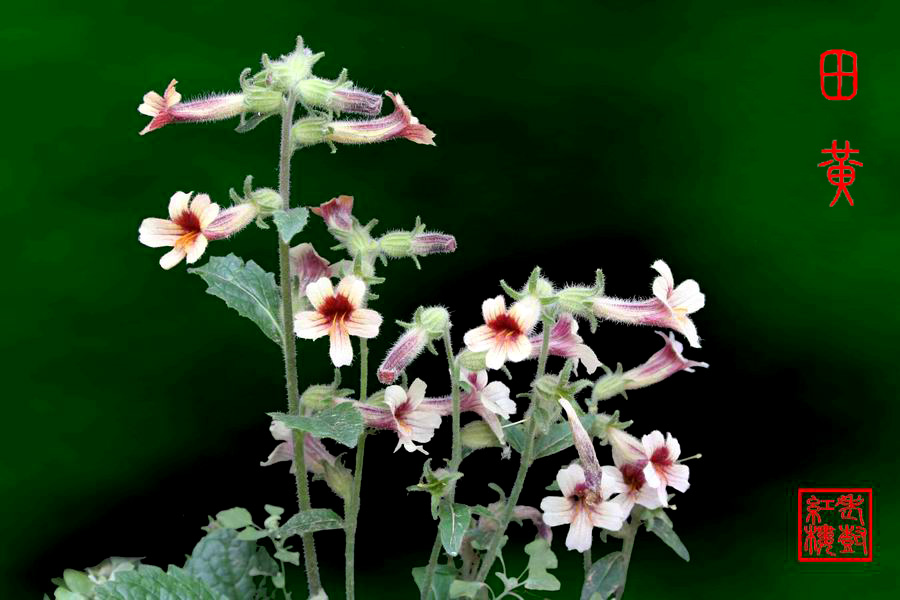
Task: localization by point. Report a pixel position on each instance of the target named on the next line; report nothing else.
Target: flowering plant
(313, 298)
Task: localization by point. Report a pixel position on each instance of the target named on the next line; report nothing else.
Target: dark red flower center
(505, 325)
(661, 456)
(188, 221)
(336, 308)
(633, 476)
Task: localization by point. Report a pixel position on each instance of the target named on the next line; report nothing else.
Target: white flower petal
(569, 478)
(394, 396)
(363, 322)
(171, 258)
(608, 515)
(493, 308)
(496, 356)
(687, 296)
(341, 351)
(587, 357)
(673, 446)
(208, 215)
(526, 312)
(686, 327)
(311, 325)
(557, 510)
(178, 204)
(661, 289)
(677, 477)
(199, 204)
(479, 339)
(518, 348)
(665, 272)
(651, 478)
(611, 482)
(495, 398)
(158, 233)
(353, 288)
(648, 497)
(481, 380)
(580, 531)
(416, 392)
(652, 442)
(319, 291)
(197, 248)
(626, 501)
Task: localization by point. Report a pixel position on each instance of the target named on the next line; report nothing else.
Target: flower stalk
(351, 511)
(628, 546)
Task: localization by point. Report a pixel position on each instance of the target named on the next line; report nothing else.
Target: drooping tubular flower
(306, 266)
(661, 365)
(338, 314)
(504, 336)
(488, 400)
(401, 123)
(191, 225)
(316, 456)
(583, 504)
(565, 342)
(413, 420)
(669, 307)
(428, 325)
(169, 108)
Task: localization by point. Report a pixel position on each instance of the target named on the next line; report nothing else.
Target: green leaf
(465, 589)
(251, 535)
(605, 577)
(149, 582)
(309, 521)
(541, 558)
(454, 523)
(341, 422)
(234, 518)
(558, 438)
(225, 563)
(664, 531)
(275, 511)
(291, 222)
(440, 584)
(288, 556)
(515, 437)
(247, 289)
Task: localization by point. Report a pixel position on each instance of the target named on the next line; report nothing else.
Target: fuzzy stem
(289, 345)
(351, 512)
(455, 459)
(628, 546)
(524, 463)
(587, 562)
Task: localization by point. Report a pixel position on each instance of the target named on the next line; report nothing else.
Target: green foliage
(234, 518)
(309, 521)
(541, 558)
(225, 563)
(466, 589)
(152, 583)
(444, 576)
(246, 288)
(557, 438)
(341, 422)
(290, 222)
(437, 483)
(659, 523)
(454, 522)
(605, 577)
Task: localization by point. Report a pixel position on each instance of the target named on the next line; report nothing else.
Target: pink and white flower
(565, 342)
(631, 459)
(663, 468)
(661, 365)
(191, 225)
(315, 454)
(338, 313)
(169, 108)
(337, 213)
(413, 420)
(488, 400)
(307, 266)
(504, 336)
(669, 307)
(400, 123)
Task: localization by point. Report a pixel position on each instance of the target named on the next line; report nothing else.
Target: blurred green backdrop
(570, 134)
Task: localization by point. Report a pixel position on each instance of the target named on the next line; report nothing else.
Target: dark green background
(570, 135)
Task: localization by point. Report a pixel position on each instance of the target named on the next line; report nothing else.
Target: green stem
(588, 563)
(351, 512)
(289, 345)
(524, 463)
(628, 545)
(455, 459)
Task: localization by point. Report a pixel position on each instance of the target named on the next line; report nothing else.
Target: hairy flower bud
(428, 324)
(435, 320)
(339, 479)
(472, 361)
(286, 73)
(477, 435)
(576, 300)
(427, 243)
(318, 397)
(339, 96)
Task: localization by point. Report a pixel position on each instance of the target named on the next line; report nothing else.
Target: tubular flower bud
(428, 325)
(339, 96)
(191, 225)
(307, 266)
(669, 307)
(423, 244)
(290, 70)
(337, 213)
(169, 108)
(565, 342)
(583, 445)
(504, 336)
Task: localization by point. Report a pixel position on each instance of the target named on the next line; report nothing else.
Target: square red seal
(834, 524)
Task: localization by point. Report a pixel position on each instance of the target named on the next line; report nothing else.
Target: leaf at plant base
(291, 222)
(541, 558)
(605, 577)
(234, 518)
(454, 523)
(152, 582)
(310, 521)
(664, 531)
(465, 589)
(246, 288)
(443, 578)
(225, 564)
(341, 422)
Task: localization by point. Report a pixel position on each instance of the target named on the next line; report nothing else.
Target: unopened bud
(262, 99)
(435, 320)
(288, 71)
(318, 397)
(266, 200)
(423, 244)
(396, 244)
(339, 96)
(339, 479)
(543, 288)
(309, 131)
(472, 361)
(401, 355)
(477, 435)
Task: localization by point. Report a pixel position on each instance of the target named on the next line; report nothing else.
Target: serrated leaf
(665, 532)
(605, 577)
(291, 222)
(246, 288)
(234, 518)
(225, 564)
(440, 583)
(465, 589)
(341, 422)
(309, 521)
(149, 582)
(541, 558)
(454, 523)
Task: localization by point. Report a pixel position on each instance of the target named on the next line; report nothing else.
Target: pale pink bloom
(191, 225)
(315, 454)
(661, 365)
(669, 307)
(582, 508)
(504, 336)
(663, 468)
(400, 123)
(338, 314)
(565, 342)
(337, 212)
(414, 420)
(625, 447)
(307, 266)
(628, 475)
(488, 400)
(169, 108)
(402, 353)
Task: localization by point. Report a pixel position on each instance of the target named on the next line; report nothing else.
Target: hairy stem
(628, 545)
(524, 462)
(587, 562)
(289, 345)
(351, 511)
(455, 459)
